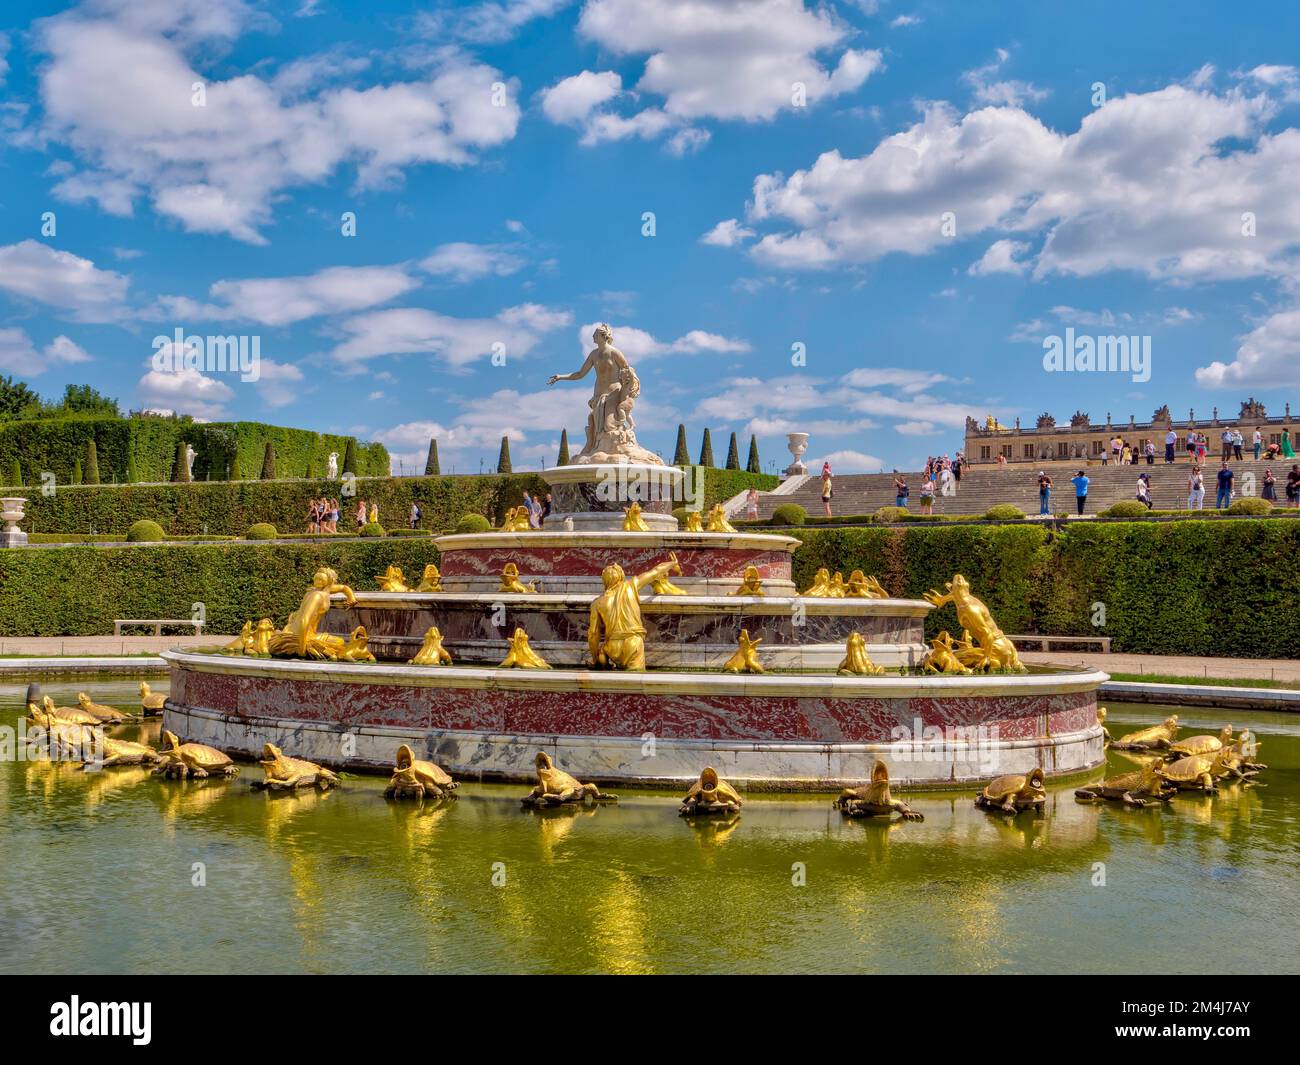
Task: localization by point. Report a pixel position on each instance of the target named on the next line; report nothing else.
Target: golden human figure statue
(1101, 723)
(510, 581)
(521, 655)
(942, 657)
(432, 580)
(241, 644)
(299, 638)
(864, 587)
(718, 520)
(837, 589)
(745, 660)
(994, 426)
(632, 520)
(392, 580)
(821, 585)
(262, 637)
(516, 520)
(617, 611)
(694, 523)
(431, 652)
(856, 660)
(752, 584)
(996, 651)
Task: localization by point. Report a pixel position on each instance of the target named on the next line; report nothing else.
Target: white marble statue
(611, 432)
(333, 465)
(189, 460)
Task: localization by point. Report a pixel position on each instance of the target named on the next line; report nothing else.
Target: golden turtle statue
(1156, 738)
(555, 787)
(1014, 792)
(521, 654)
(711, 795)
(994, 649)
(61, 739)
(718, 520)
(874, 799)
(632, 520)
(694, 523)
(192, 759)
(431, 652)
(856, 660)
(431, 581)
(751, 584)
(286, 774)
(942, 657)
(392, 580)
(1237, 759)
(71, 715)
(109, 715)
(122, 752)
(1208, 746)
(863, 587)
(1133, 789)
(1193, 773)
(417, 779)
(510, 581)
(745, 659)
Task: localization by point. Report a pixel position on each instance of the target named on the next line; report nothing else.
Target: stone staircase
(1017, 483)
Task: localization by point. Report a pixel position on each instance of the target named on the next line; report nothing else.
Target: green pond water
(98, 869)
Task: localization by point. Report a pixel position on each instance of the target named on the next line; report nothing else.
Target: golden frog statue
(431, 581)
(874, 799)
(1132, 789)
(752, 584)
(856, 660)
(516, 520)
(417, 779)
(285, 774)
(995, 650)
(192, 759)
(943, 656)
(555, 787)
(241, 644)
(521, 654)
(745, 659)
(392, 580)
(1014, 792)
(431, 652)
(299, 638)
(821, 585)
(262, 637)
(711, 795)
(718, 520)
(355, 648)
(510, 581)
(616, 631)
(1156, 738)
(864, 587)
(151, 702)
(109, 715)
(693, 521)
(122, 752)
(632, 520)
(663, 586)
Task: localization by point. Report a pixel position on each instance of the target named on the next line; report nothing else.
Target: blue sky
(917, 193)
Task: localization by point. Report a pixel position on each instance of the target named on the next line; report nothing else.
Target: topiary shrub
(789, 514)
(1003, 512)
(145, 532)
(888, 515)
(263, 530)
(473, 523)
(372, 528)
(1126, 508)
(1250, 505)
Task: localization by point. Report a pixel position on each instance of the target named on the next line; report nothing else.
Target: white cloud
(280, 301)
(848, 462)
(988, 89)
(1000, 258)
(573, 99)
(638, 344)
(910, 381)
(60, 279)
(727, 234)
(458, 341)
(905, 20)
(489, 21)
(1268, 356)
(186, 391)
(278, 383)
(459, 261)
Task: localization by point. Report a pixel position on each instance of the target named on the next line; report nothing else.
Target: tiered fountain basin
(657, 728)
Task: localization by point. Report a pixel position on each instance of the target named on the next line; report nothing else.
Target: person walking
(1195, 490)
(1080, 482)
(374, 513)
(1171, 439)
(1293, 487)
(947, 482)
(1191, 446)
(1270, 486)
(547, 505)
(751, 504)
(828, 490)
(1144, 489)
(415, 515)
(1257, 442)
(1226, 439)
(1288, 452)
(361, 513)
(901, 491)
(1238, 442)
(927, 496)
(334, 516)
(1149, 449)
(1223, 497)
(1044, 492)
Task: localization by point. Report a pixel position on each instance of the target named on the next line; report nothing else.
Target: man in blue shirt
(1225, 487)
(1080, 482)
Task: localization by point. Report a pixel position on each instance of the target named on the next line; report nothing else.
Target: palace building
(1081, 440)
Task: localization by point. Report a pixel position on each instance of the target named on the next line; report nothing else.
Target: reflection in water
(344, 880)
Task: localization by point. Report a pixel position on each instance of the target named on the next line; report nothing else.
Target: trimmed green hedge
(79, 591)
(721, 485)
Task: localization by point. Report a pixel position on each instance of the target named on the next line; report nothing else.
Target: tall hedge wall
(149, 445)
(230, 507)
(721, 485)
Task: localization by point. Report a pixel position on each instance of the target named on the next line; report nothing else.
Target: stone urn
(798, 444)
(11, 510)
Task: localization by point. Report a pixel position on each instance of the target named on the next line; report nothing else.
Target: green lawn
(1225, 682)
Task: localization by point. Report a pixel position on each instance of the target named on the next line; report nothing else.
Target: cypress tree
(706, 450)
(349, 457)
(431, 463)
(503, 460)
(132, 474)
(234, 472)
(268, 463)
(681, 457)
(733, 454)
(92, 463)
(311, 472)
(180, 468)
(753, 465)
(563, 460)
(16, 473)
(76, 472)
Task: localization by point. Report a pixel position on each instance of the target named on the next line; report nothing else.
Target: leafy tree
(91, 467)
(16, 399)
(180, 468)
(753, 465)
(431, 463)
(706, 450)
(82, 399)
(733, 454)
(563, 459)
(681, 457)
(503, 460)
(349, 458)
(268, 461)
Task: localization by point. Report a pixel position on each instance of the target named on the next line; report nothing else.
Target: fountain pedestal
(594, 495)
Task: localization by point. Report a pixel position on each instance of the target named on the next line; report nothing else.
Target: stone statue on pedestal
(333, 465)
(189, 460)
